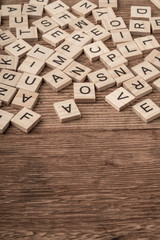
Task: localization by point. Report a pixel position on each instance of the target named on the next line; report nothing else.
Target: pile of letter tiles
(68, 33)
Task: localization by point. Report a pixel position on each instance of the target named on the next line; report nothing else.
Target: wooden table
(95, 178)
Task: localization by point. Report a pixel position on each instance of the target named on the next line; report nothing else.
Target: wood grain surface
(95, 178)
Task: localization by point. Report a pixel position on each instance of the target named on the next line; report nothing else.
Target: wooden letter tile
(147, 110)
(121, 36)
(94, 50)
(8, 62)
(33, 10)
(19, 48)
(70, 50)
(26, 120)
(9, 77)
(6, 37)
(25, 98)
(30, 82)
(120, 98)
(43, 2)
(32, 66)
(113, 23)
(140, 12)
(5, 118)
(57, 79)
(18, 21)
(98, 33)
(84, 93)
(58, 60)
(154, 58)
(80, 24)
(84, 8)
(138, 87)
(7, 93)
(156, 3)
(67, 111)
(102, 13)
(108, 3)
(79, 38)
(121, 74)
(113, 59)
(147, 43)
(155, 23)
(27, 33)
(40, 52)
(156, 84)
(129, 50)
(102, 79)
(45, 24)
(8, 10)
(77, 71)
(147, 71)
(140, 27)
(56, 7)
(55, 37)
(63, 18)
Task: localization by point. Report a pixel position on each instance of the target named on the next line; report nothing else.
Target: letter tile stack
(65, 34)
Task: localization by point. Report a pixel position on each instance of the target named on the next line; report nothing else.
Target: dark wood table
(95, 178)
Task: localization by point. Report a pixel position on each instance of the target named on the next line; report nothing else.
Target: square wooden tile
(6, 37)
(84, 8)
(70, 50)
(12, 9)
(26, 120)
(33, 10)
(155, 24)
(147, 110)
(67, 111)
(138, 87)
(139, 27)
(31, 65)
(119, 99)
(113, 23)
(9, 77)
(27, 33)
(19, 48)
(79, 38)
(30, 82)
(56, 7)
(25, 98)
(7, 93)
(5, 119)
(108, 3)
(101, 13)
(57, 79)
(154, 58)
(40, 52)
(113, 59)
(80, 24)
(102, 79)
(63, 18)
(18, 21)
(156, 84)
(94, 50)
(156, 3)
(55, 37)
(147, 43)
(129, 50)
(140, 12)
(45, 24)
(98, 33)
(43, 2)
(8, 62)
(77, 71)
(58, 60)
(121, 36)
(146, 70)
(84, 92)
(121, 74)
